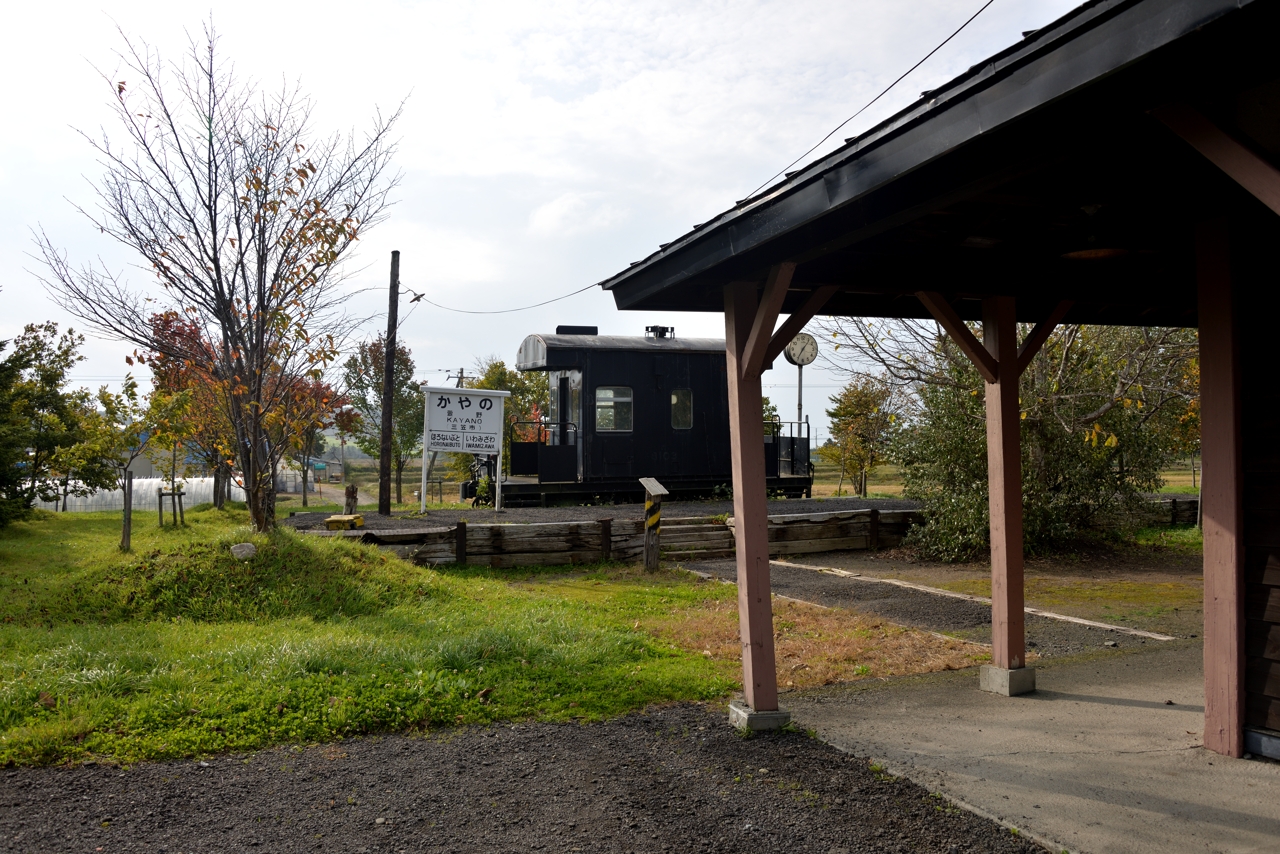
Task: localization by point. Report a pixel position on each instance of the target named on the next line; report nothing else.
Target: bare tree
(1082, 374)
(243, 215)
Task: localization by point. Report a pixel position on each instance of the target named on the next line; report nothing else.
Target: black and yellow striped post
(653, 492)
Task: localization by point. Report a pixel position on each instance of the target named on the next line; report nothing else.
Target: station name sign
(463, 420)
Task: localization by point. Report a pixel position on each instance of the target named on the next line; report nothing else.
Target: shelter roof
(1043, 172)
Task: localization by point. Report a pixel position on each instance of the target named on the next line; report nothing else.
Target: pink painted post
(1220, 495)
(750, 510)
(1004, 476)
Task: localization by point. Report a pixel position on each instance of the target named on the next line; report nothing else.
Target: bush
(1086, 457)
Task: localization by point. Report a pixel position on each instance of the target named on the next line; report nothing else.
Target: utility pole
(388, 390)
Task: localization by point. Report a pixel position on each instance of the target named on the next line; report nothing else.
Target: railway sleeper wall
(557, 543)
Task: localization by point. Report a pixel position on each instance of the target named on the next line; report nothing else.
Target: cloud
(574, 213)
(545, 143)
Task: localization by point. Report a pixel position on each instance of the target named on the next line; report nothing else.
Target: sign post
(465, 421)
(653, 492)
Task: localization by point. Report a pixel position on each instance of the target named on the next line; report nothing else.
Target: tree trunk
(217, 486)
(840, 485)
(400, 464)
(306, 463)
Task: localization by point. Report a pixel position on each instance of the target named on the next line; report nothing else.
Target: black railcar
(623, 408)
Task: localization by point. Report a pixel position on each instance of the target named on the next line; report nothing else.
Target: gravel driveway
(960, 617)
(672, 779)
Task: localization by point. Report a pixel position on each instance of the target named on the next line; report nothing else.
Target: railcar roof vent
(659, 332)
(577, 330)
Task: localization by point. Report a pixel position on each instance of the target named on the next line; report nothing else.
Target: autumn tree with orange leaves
(244, 214)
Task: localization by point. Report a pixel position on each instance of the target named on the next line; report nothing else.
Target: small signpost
(653, 492)
(464, 421)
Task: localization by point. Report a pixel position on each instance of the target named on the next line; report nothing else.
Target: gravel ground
(904, 606)
(591, 512)
(673, 779)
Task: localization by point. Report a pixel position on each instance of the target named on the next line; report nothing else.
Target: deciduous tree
(243, 213)
(864, 416)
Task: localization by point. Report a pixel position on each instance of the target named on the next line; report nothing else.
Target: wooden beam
(1220, 494)
(946, 316)
(1041, 334)
(775, 291)
(795, 323)
(1244, 166)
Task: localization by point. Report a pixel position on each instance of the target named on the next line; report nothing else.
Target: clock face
(802, 350)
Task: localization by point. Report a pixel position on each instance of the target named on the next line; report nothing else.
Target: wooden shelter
(1114, 167)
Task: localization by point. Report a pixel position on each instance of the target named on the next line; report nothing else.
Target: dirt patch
(673, 779)
(819, 646)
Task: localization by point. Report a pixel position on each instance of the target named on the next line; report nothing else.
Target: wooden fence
(683, 539)
(805, 533)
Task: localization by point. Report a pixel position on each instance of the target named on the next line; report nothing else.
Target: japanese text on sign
(463, 421)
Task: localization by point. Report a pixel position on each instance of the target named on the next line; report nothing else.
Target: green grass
(1183, 539)
(180, 650)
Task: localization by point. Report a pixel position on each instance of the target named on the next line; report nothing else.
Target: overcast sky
(544, 145)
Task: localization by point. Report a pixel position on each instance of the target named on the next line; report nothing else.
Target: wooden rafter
(795, 323)
(1041, 334)
(775, 292)
(1245, 166)
(946, 316)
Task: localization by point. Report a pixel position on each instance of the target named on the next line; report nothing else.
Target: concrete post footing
(1008, 683)
(742, 716)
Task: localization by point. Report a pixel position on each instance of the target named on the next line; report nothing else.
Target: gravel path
(591, 512)
(904, 606)
(673, 779)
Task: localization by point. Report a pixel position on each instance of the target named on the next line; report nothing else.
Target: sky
(543, 145)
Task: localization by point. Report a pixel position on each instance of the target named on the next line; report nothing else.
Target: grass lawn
(178, 649)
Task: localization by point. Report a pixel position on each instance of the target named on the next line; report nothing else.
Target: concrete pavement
(1096, 760)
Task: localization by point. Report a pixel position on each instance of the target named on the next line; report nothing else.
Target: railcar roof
(541, 351)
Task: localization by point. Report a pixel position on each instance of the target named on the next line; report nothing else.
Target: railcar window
(613, 409)
(682, 409)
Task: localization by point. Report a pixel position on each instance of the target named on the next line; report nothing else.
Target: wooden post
(160, 503)
(388, 390)
(1001, 361)
(126, 536)
(1220, 495)
(750, 504)
(1004, 478)
(653, 492)
(182, 517)
(460, 543)
(606, 539)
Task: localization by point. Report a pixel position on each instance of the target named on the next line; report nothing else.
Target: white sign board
(464, 420)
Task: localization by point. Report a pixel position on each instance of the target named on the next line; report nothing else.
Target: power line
(422, 297)
(784, 169)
